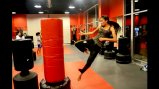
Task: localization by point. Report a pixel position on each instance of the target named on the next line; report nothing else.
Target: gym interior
(55, 65)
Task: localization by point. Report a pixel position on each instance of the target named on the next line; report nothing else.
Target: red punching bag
(52, 40)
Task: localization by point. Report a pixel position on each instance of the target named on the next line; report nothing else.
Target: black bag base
(123, 59)
(60, 85)
(109, 54)
(72, 42)
(29, 81)
(102, 51)
(34, 56)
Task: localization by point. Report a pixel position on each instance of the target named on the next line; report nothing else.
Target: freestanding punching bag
(23, 61)
(52, 40)
(109, 53)
(123, 55)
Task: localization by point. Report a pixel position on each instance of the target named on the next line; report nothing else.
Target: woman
(106, 33)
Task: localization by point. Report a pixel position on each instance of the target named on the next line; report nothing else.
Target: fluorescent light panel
(137, 9)
(136, 0)
(71, 7)
(13, 12)
(66, 12)
(40, 12)
(37, 6)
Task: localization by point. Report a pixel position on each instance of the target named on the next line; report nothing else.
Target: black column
(153, 46)
(5, 46)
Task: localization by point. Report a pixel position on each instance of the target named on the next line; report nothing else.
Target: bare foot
(86, 51)
(79, 77)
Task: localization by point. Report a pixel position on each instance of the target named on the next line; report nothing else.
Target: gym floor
(119, 76)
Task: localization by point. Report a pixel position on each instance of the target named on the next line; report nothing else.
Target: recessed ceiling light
(13, 12)
(41, 12)
(71, 7)
(66, 12)
(136, 0)
(37, 6)
(137, 14)
(137, 9)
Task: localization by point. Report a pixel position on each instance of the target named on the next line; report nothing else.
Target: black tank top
(102, 33)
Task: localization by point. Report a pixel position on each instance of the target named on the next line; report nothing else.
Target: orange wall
(143, 20)
(111, 8)
(116, 8)
(103, 8)
(77, 19)
(99, 8)
(113, 19)
(138, 20)
(73, 19)
(18, 21)
(13, 29)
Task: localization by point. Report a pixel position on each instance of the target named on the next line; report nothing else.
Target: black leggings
(93, 48)
(74, 37)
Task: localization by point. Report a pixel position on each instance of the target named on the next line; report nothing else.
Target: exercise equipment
(123, 55)
(72, 42)
(109, 53)
(34, 53)
(53, 53)
(29, 81)
(29, 37)
(23, 61)
(22, 54)
(123, 59)
(123, 45)
(102, 50)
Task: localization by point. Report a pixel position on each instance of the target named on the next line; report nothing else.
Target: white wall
(66, 25)
(34, 25)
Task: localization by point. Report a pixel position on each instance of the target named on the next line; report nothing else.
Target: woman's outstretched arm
(89, 33)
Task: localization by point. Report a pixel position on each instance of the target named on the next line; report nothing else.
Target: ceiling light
(13, 12)
(136, 0)
(71, 7)
(37, 6)
(137, 9)
(137, 14)
(67, 12)
(40, 12)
